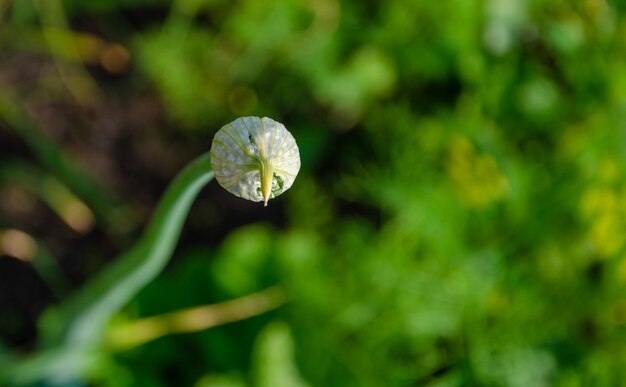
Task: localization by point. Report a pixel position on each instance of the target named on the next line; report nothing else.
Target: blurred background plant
(459, 218)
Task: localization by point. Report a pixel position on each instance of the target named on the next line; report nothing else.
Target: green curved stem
(71, 333)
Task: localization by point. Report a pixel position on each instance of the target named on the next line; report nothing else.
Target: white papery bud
(255, 158)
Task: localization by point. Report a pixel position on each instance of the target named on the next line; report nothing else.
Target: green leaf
(274, 364)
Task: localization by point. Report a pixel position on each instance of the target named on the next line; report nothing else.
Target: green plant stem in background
(48, 269)
(135, 333)
(73, 211)
(71, 333)
(106, 207)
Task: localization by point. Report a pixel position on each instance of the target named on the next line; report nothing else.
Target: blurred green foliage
(459, 218)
